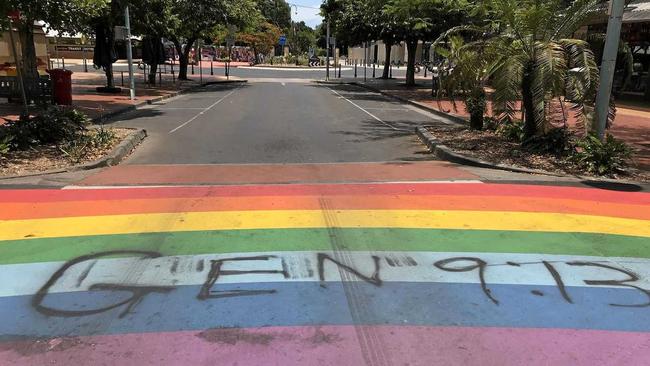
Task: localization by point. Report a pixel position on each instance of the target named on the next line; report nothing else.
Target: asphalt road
(278, 122)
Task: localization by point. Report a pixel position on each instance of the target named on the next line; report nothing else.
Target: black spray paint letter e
(216, 271)
(137, 292)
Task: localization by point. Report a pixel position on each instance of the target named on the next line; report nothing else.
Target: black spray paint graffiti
(137, 292)
(216, 271)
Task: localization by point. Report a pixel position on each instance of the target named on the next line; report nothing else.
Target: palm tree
(537, 60)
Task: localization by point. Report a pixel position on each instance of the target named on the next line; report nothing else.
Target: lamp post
(129, 53)
(327, 60)
(608, 64)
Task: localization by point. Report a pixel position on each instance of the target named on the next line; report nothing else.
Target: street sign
(283, 40)
(120, 32)
(14, 15)
(230, 41)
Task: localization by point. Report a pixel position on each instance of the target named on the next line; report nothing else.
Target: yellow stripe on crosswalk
(281, 219)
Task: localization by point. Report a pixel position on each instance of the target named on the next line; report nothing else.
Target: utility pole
(608, 64)
(129, 53)
(18, 67)
(327, 61)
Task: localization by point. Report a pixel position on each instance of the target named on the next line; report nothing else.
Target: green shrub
(602, 157)
(102, 137)
(75, 150)
(511, 130)
(5, 144)
(52, 126)
(557, 141)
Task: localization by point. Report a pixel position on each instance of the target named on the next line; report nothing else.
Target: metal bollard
(122, 73)
(339, 70)
(192, 68)
(391, 70)
(211, 68)
(373, 70)
(63, 61)
(425, 71)
(173, 76)
(355, 69)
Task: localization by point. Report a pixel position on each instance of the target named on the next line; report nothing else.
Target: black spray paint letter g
(137, 292)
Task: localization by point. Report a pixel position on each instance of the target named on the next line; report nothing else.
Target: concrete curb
(445, 153)
(112, 158)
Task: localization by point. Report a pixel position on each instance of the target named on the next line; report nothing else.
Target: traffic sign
(283, 40)
(14, 15)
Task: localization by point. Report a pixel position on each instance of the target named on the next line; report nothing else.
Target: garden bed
(43, 158)
(494, 148)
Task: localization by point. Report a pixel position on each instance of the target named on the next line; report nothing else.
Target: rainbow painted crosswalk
(345, 274)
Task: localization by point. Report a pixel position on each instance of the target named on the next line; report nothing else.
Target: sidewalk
(632, 122)
(98, 105)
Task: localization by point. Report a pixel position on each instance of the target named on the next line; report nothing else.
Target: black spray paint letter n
(137, 292)
(373, 279)
(216, 271)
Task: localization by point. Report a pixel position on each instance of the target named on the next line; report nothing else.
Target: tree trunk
(110, 80)
(476, 107)
(183, 58)
(28, 50)
(152, 73)
(530, 126)
(389, 47)
(411, 47)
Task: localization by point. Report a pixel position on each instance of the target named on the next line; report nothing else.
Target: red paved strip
(28, 210)
(276, 173)
(369, 189)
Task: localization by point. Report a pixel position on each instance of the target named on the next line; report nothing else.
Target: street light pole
(608, 64)
(327, 60)
(18, 68)
(129, 53)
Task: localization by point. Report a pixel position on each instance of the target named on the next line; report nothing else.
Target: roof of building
(637, 11)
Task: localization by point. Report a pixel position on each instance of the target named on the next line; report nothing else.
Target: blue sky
(309, 16)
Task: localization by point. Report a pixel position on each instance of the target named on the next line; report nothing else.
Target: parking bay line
(368, 113)
(200, 113)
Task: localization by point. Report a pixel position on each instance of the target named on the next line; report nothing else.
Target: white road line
(217, 184)
(200, 113)
(181, 108)
(368, 113)
(390, 109)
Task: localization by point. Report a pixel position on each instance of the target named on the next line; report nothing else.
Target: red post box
(61, 86)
